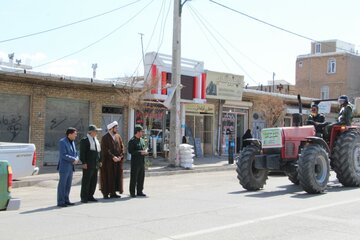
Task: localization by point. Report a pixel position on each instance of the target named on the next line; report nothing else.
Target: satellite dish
(11, 57)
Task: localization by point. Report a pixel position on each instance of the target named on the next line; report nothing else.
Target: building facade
(37, 108)
(330, 70)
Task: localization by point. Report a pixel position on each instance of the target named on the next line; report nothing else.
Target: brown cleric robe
(111, 173)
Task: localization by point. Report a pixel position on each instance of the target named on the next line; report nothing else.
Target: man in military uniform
(315, 118)
(345, 115)
(138, 150)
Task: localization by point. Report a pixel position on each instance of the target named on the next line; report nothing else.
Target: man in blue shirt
(67, 159)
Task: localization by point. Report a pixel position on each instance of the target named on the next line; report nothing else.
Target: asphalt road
(191, 206)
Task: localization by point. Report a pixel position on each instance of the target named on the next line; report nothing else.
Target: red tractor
(304, 157)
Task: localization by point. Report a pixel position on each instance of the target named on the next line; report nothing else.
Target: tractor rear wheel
(249, 177)
(313, 169)
(346, 159)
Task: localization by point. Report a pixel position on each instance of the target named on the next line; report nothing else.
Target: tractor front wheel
(250, 177)
(293, 177)
(313, 169)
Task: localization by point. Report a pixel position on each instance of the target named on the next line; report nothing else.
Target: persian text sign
(224, 86)
(271, 138)
(200, 108)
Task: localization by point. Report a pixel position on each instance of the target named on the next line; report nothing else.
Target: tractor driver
(345, 115)
(315, 118)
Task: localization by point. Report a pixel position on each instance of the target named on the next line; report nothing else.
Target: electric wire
(68, 24)
(211, 44)
(162, 33)
(163, 25)
(97, 41)
(151, 36)
(277, 27)
(232, 45)
(227, 52)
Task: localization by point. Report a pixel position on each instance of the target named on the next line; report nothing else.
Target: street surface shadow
(239, 192)
(281, 190)
(42, 209)
(110, 200)
(50, 208)
(295, 191)
(285, 189)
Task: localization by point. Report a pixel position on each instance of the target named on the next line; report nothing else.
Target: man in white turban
(112, 158)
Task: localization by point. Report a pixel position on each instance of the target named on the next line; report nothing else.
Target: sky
(225, 40)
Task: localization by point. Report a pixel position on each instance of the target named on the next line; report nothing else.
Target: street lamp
(94, 67)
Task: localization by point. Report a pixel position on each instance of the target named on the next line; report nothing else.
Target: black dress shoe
(92, 199)
(70, 203)
(133, 195)
(115, 196)
(106, 197)
(84, 201)
(62, 205)
(141, 194)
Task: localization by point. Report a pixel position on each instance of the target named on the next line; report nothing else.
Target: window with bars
(325, 92)
(331, 66)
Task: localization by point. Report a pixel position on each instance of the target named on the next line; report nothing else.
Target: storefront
(155, 120)
(234, 124)
(233, 113)
(199, 127)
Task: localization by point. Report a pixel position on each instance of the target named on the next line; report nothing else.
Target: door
(240, 123)
(110, 114)
(200, 127)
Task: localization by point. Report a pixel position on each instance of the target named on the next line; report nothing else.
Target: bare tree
(272, 109)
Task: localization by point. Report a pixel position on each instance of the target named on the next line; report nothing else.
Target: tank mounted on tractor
(302, 155)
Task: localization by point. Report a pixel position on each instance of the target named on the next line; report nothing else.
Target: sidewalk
(158, 167)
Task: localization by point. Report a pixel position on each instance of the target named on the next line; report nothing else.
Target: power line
(152, 34)
(162, 30)
(274, 26)
(162, 34)
(213, 47)
(97, 41)
(226, 51)
(69, 24)
(232, 45)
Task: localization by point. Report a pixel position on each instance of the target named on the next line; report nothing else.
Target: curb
(33, 181)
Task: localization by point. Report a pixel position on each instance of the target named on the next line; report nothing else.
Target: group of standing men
(108, 157)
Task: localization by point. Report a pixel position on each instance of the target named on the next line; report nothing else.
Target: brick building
(330, 70)
(38, 108)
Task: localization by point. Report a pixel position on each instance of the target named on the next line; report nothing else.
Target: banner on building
(224, 86)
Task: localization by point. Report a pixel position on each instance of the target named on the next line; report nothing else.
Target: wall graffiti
(61, 114)
(55, 123)
(12, 124)
(57, 129)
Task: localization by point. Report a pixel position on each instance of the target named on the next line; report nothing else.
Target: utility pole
(175, 113)
(94, 67)
(142, 48)
(273, 87)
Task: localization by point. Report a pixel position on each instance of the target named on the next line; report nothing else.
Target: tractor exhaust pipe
(297, 117)
(300, 105)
